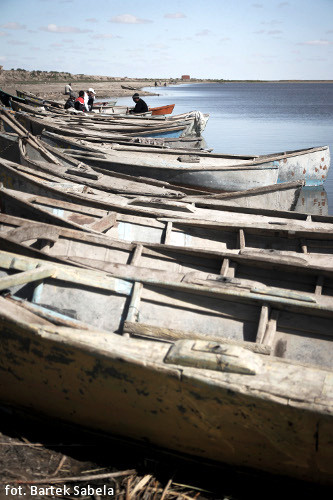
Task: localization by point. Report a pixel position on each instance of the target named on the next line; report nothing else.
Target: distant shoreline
(51, 85)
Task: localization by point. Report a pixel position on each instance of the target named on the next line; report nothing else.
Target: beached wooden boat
(34, 100)
(129, 87)
(305, 240)
(162, 110)
(272, 274)
(317, 160)
(105, 104)
(310, 164)
(37, 125)
(70, 181)
(7, 99)
(194, 168)
(248, 384)
(32, 153)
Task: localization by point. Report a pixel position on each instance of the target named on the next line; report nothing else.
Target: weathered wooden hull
(33, 154)
(227, 177)
(214, 400)
(263, 240)
(7, 98)
(69, 188)
(36, 127)
(273, 274)
(312, 166)
(312, 200)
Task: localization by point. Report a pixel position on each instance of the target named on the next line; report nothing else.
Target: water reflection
(313, 200)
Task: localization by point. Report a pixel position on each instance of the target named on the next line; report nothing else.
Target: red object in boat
(162, 110)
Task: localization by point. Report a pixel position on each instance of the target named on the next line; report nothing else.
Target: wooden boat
(312, 157)
(70, 172)
(310, 164)
(34, 100)
(248, 384)
(129, 87)
(305, 240)
(7, 98)
(37, 125)
(162, 110)
(202, 169)
(191, 142)
(106, 104)
(32, 150)
(271, 274)
(202, 159)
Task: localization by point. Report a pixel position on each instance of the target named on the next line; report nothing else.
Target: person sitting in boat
(68, 89)
(70, 101)
(79, 104)
(91, 97)
(140, 105)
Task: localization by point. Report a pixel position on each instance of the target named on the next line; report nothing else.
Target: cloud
(13, 26)
(204, 32)
(177, 15)
(129, 19)
(91, 20)
(274, 32)
(257, 5)
(53, 28)
(160, 46)
(316, 42)
(225, 39)
(102, 37)
(17, 42)
(2, 33)
(273, 22)
(283, 4)
(259, 32)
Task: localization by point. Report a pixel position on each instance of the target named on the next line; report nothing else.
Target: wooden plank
(137, 254)
(319, 285)
(270, 331)
(170, 335)
(304, 246)
(81, 173)
(241, 237)
(133, 310)
(224, 267)
(168, 231)
(27, 277)
(104, 223)
(34, 232)
(262, 325)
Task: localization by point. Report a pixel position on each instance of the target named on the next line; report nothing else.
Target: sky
(211, 39)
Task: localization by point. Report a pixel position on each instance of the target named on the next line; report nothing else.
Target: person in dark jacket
(70, 102)
(140, 105)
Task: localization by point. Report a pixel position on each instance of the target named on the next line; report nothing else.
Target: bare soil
(56, 91)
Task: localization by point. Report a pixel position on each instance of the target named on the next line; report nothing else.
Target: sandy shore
(103, 89)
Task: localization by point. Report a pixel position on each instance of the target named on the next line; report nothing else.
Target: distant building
(186, 77)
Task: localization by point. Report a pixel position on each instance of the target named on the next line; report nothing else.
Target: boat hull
(119, 386)
(162, 110)
(311, 167)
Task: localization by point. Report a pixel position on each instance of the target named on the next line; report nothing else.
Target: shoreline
(109, 89)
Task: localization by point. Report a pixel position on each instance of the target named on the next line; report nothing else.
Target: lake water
(260, 118)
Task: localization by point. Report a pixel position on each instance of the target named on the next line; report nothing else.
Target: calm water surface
(260, 118)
